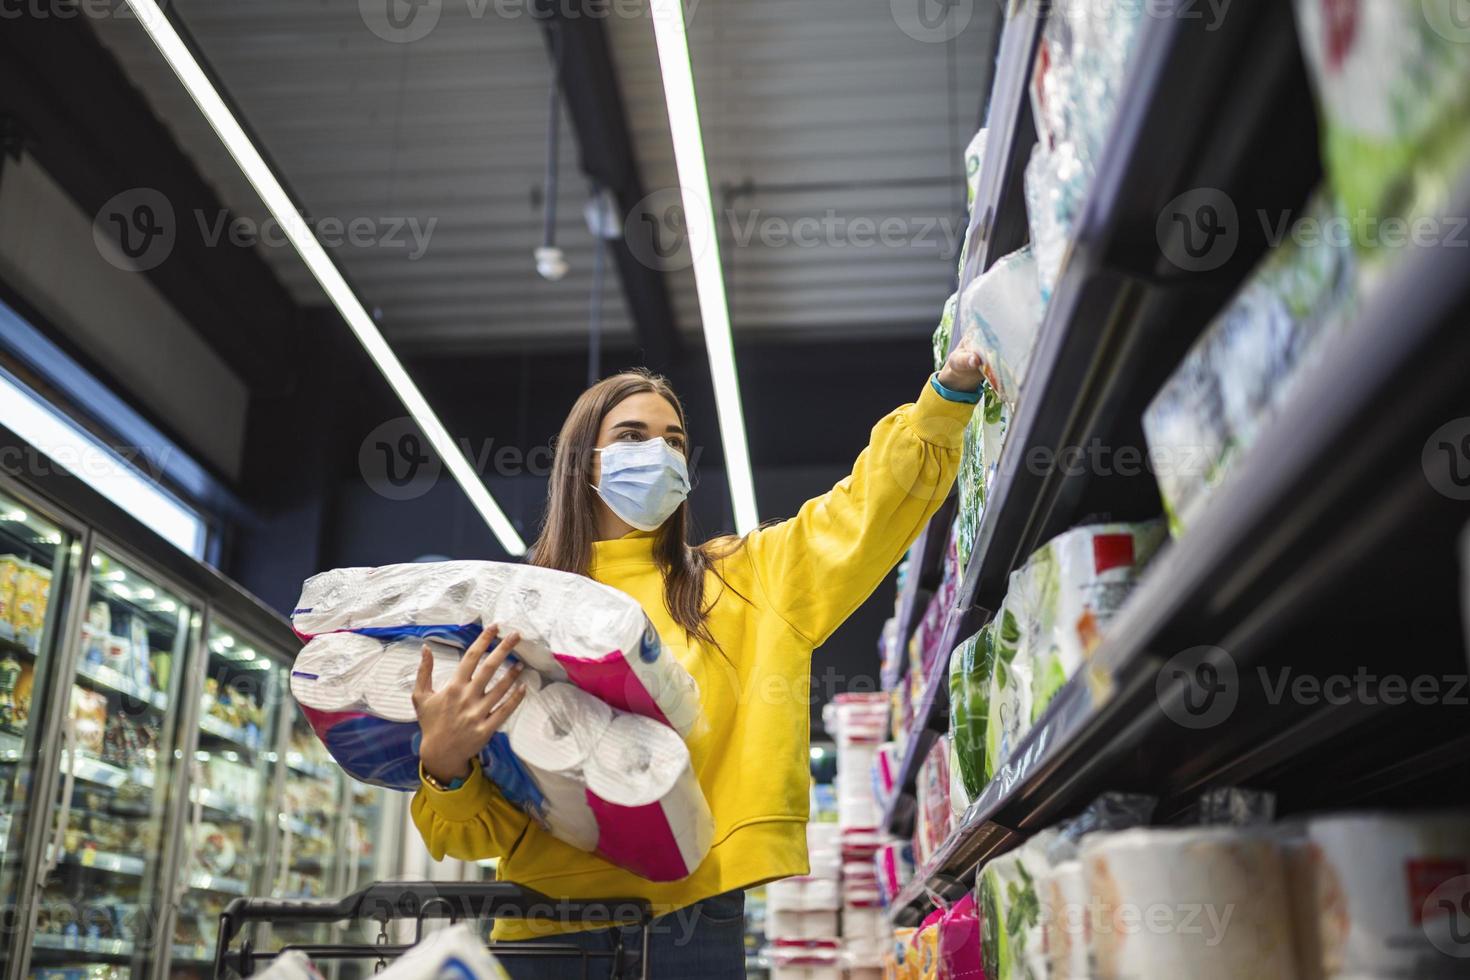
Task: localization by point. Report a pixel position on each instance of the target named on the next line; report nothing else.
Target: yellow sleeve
(469, 823)
(816, 568)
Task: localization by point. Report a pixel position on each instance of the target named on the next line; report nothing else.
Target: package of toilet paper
(571, 627)
(1209, 903)
(1391, 894)
(455, 953)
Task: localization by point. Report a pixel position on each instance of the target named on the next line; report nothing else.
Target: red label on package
(1427, 875)
(1111, 551)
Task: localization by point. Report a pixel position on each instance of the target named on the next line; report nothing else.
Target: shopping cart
(419, 900)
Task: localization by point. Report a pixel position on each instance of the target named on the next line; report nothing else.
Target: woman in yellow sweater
(741, 614)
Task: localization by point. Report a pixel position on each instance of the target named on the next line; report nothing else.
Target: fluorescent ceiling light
(278, 202)
(709, 277)
(94, 463)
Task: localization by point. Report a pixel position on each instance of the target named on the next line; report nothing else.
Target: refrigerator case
(38, 567)
(224, 843)
(99, 883)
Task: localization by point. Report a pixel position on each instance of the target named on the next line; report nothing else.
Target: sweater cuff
(939, 421)
(464, 803)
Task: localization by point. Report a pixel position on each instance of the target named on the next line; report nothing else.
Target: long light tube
(709, 277)
(278, 202)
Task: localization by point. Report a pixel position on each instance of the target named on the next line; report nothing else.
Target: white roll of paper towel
(572, 628)
(1207, 903)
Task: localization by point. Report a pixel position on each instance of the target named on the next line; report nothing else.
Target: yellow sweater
(802, 578)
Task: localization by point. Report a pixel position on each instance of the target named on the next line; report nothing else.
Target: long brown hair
(570, 526)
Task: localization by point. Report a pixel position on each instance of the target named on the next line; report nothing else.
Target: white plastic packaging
(454, 953)
(1000, 315)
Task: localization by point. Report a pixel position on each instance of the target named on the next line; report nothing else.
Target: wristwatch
(433, 783)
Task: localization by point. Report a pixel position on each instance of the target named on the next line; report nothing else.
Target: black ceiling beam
(83, 121)
(577, 41)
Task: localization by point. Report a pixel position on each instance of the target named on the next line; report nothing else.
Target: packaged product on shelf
(1207, 873)
(1244, 366)
(934, 819)
(805, 959)
(895, 864)
(1011, 672)
(900, 962)
(1010, 911)
(974, 161)
(995, 418)
(959, 941)
(886, 762)
(32, 593)
(970, 668)
(944, 333)
(1000, 315)
(1236, 806)
(9, 573)
(1064, 925)
(890, 654)
(970, 488)
(571, 628)
(1393, 84)
(1389, 892)
(1083, 578)
(89, 721)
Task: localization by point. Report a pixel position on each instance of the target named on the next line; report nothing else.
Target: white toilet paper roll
(1391, 890)
(557, 727)
(651, 813)
(348, 672)
(567, 814)
(1206, 903)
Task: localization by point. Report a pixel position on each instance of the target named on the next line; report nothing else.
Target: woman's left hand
(964, 371)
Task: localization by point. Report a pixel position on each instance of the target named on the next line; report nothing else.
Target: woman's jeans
(705, 941)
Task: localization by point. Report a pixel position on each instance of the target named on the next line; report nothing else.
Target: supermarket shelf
(12, 747)
(9, 644)
(1327, 522)
(998, 217)
(300, 828)
(931, 716)
(48, 942)
(123, 864)
(212, 883)
(1121, 316)
(925, 570)
(93, 770)
(104, 676)
(219, 728)
(298, 763)
(220, 803)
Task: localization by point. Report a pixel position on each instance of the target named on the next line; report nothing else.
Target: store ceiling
(824, 111)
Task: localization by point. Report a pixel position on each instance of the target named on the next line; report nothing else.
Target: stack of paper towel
(594, 751)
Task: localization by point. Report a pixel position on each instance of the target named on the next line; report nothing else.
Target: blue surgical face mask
(643, 482)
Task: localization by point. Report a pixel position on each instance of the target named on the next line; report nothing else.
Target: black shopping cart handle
(419, 900)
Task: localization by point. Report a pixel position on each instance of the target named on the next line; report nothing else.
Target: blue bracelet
(949, 394)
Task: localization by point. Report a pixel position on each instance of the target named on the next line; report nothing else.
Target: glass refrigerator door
(37, 562)
(230, 778)
(100, 883)
(313, 804)
(370, 844)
